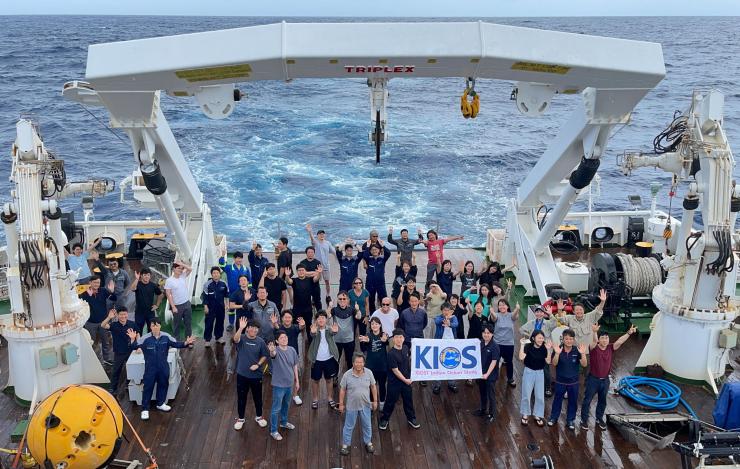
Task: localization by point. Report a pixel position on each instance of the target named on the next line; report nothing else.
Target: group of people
(270, 309)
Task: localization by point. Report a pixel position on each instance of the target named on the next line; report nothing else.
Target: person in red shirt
(597, 382)
(435, 251)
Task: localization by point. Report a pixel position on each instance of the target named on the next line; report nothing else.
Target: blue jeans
(533, 380)
(349, 425)
(280, 405)
(594, 386)
(557, 402)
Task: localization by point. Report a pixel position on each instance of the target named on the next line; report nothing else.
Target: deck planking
(198, 432)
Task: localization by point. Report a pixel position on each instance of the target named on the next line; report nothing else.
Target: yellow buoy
(79, 426)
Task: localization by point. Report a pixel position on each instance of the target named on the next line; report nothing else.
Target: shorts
(328, 368)
(326, 274)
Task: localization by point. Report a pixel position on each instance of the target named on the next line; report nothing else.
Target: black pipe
(377, 137)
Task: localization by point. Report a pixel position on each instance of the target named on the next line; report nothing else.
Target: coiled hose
(666, 396)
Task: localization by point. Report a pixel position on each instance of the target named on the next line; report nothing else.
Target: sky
(376, 8)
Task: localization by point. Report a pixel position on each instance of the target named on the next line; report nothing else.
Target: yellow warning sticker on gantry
(225, 72)
(543, 68)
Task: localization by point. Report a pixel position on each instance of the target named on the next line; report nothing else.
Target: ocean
(298, 153)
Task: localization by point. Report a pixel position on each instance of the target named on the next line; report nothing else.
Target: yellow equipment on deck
(79, 426)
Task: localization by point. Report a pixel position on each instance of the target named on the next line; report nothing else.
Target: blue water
(296, 153)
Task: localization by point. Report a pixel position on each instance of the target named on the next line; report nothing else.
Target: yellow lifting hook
(470, 109)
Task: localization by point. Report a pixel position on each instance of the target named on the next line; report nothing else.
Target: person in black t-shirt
(399, 382)
(284, 260)
(535, 353)
(121, 342)
(303, 286)
(312, 270)
(148, 298)
(459, 313)
(490, 355)
(275, 286)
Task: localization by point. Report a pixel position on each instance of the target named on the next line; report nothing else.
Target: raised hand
(582, 349)
(314, 329)
(247, 295)
(556, 348)
(364, 338)
(131, 334)
(288, 271)
(517, 307)
(509, 283)
(242, 322)
(595, 327)
(561, 304)
(602, 295)
(632, 329)
(301, 322)
(112, 313)
(335, 327)
(111, 285)
(384, 337)
(254, 244)
(319, 269)
(274, 318)
(548, 344)
(308, 227)
(271, 347)
(137, 275)
(390, 229)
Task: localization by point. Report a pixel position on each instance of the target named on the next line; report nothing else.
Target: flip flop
(315, 405)
(525, 421)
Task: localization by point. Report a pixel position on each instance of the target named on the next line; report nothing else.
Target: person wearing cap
(539, 323)
(404, 246)
(323, 252)
(155, 346)
(399, 382)
(252, 353)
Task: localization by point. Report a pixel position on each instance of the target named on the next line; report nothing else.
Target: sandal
(333, 405)
(525, 421)
(315, 405)
(540, 422)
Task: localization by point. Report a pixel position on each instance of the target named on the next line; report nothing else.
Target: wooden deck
(198, 432)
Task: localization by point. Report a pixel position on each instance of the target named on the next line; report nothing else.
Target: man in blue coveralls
(376, 272)
(155, 346)
(233, 272)
(215, 297)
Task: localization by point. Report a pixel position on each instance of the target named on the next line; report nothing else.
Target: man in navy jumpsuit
(233, 272)
(376, 273)
(215, 297)
(155, 346)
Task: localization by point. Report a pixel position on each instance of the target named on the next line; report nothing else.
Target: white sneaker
(297, 400)
(221, 340)
(144, 415)
(238, 424)
(288, 426)
(261, 422)
(164, 408)
(276, 436)
(208, 344)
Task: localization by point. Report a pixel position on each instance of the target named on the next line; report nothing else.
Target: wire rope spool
(642, 274)
(79, 426)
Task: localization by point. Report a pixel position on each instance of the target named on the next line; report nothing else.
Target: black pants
(214, 324)
(398, 389)
(243, 386)
(316, 295)
(119, 363)
(381, 377)
(360, 326)
(143, 318)
(507, 354)
(487, 389)
(346, 349)
(548, 378)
